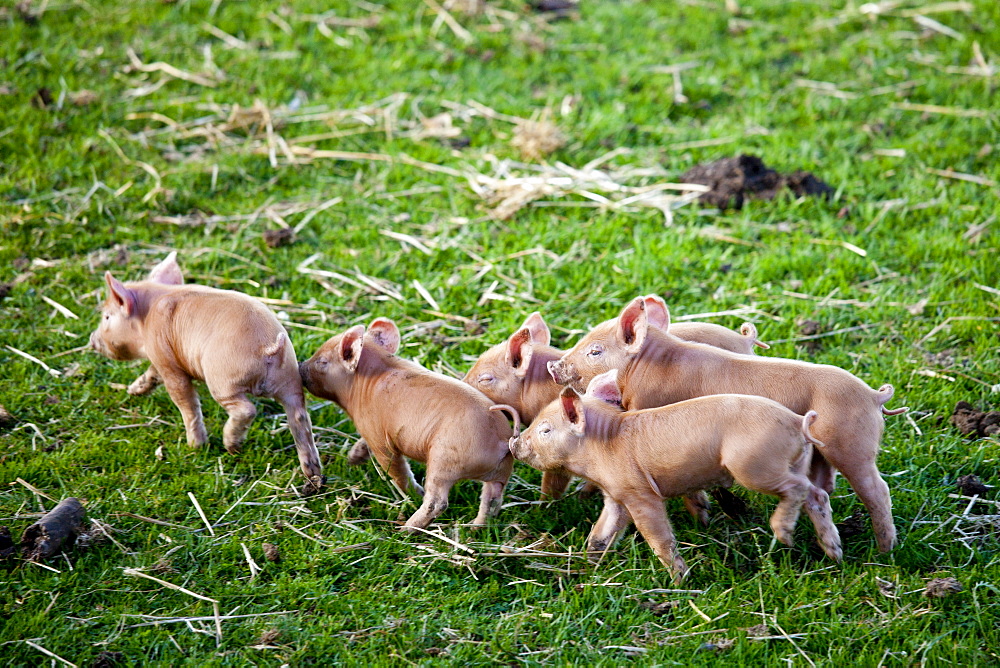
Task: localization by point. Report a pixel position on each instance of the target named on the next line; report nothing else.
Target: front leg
(145, 383)
(651, 520)
(554, 483)
(613, 520)
(185, 397)
(395, 464)
(697, 504)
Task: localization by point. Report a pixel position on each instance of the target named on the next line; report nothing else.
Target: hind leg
(301, 427)
(241, 413)
(874, 493)
(489, 501)
(435, 500)
(818, 509)
(821, 472)
(359, 453)
(792, 493)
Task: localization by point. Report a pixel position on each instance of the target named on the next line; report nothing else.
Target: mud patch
(852, 526)
(735, 180)
(971, 485)
(975, 423)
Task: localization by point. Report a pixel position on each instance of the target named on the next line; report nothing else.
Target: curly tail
(884, 395)
(277, 346)
(749, 330)
(807, 420)
(513, 415)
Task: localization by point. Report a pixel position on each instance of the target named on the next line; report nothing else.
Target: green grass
(77, 200)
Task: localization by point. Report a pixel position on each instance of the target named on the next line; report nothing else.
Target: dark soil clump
(975, 423)
(280, 237)
(971, 485)
(735, 180)
(59, 527)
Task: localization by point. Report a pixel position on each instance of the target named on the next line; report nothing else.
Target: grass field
(129, 129)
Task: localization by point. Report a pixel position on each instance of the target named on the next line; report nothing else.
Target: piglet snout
(559, 371)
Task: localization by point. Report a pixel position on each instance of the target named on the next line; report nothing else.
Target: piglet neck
(644, 372)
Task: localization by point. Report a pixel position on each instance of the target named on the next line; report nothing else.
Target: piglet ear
(385, 334)
(518, 354)
(539, 331)
(167, 272)
(605, 387)
(656, 311)
(572, 407)
(119, 294)
(351, 343)
(632, 325)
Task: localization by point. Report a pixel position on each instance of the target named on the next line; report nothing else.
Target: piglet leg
(145, 383)
(874, 493)
(819, 511)
(651, 520)
(697, 504)
(435, 502)
(185, 397)
(489, 502)
(241, 413)
(301, 427)
(614, 518)
(792, 493)
(554, 483)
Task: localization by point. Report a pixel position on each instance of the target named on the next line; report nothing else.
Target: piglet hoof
(680, 570)
(359, 454)
(832, 550)
(312, 486)
(197, 439)
(234, 448)
(141, 385)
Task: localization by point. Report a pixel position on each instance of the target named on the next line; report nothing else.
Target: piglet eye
(596, 351)
(486, 378)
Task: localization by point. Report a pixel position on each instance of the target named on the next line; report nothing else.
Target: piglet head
(555, 436)
(610, 345)
(501, 372)
(330, 372)
(119, 336)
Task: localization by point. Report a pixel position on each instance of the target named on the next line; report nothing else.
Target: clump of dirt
(6, 419)
(852, 526)
(735, 180)
(59, 527)
(282, 236)
(941, 587)
(312, 486)
(659, 608)
(268, 636)
(271, 552)
(7, 547)
(108, 659)
(975, 423)
(5, 289)
(971, 485)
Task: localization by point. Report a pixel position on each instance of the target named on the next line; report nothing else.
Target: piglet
(405, 411)
(515, 372)
(638, 458)
(657, 368)
(227, 339)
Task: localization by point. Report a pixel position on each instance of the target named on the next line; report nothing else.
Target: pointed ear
(656, 311)
(385, 334)
(632, 325)
(605, 387)
(119, 294)
(518, 353)
(572, 407)
(539, 331)
(167, 272)
(351, 343)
